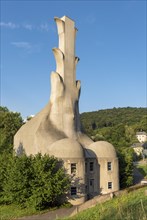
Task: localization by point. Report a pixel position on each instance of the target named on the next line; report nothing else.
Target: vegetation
(39, 182)
(125, 156)
(128, 206)
(10, 122)
(143, 169)
(13, 211)
(117, 126)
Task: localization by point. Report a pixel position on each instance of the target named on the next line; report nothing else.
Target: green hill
(117, 125)
(128, 206)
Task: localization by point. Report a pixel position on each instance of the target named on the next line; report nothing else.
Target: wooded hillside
(117, 125)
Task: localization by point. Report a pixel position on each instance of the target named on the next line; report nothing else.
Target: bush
(37, 181)
(49, 183)
(17, 180)
(10, 122)
(125, 157)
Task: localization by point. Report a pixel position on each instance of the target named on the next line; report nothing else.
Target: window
(91, 166)
(91, 186)
(109, 166)
(73, 167)
(73, 191)
(86, 188)
(91, 183)
(85, 167)
(109, 185)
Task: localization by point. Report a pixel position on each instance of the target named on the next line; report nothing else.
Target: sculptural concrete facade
(56, 130)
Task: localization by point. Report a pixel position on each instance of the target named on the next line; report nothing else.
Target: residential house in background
(141, 136)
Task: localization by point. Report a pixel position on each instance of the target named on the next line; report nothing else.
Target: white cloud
(44, 27)
(28, 26)
(27, 47)
(23, 45)
(9, 25)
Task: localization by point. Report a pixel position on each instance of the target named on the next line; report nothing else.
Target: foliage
(4, 161)
(16, 185)
(128, 206)
(117, 126)
(49, 183)
(143, 169)
(125, 156)
(38, 181)
(10, 122)
(111, 117)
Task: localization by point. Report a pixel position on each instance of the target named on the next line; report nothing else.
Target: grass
(129, 206)
(9, 212)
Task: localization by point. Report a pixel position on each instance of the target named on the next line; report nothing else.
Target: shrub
(37, 181)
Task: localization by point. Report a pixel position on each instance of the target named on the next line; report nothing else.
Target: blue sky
(111, 45)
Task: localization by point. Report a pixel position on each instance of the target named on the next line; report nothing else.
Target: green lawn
(9, 212)
(129, 206)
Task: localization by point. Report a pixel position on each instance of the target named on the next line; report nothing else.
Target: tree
(4, 161)
(49, 184)
(10, 122)
(37, 181)
(16, 185)
(125, 156)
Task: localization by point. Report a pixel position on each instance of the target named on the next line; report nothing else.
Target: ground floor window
(73, 190)
(109, 185)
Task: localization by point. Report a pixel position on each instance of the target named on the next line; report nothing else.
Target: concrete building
(141, 136)
(56, 130)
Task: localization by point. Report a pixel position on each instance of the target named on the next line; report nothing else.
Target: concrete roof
(141, 133)
(103, 149)
(89, 153)
(66, 148)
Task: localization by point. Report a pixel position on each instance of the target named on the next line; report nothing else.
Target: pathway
(52, 215)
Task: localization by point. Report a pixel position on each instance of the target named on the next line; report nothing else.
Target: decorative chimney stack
(63, 82)
(60, 118)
